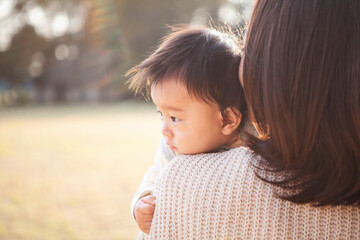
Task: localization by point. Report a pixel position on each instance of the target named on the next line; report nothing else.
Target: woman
(300, 179)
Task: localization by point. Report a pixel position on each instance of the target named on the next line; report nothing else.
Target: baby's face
(189, 125)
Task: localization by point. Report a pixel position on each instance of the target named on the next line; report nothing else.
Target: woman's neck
(247, 128)
(235, 141)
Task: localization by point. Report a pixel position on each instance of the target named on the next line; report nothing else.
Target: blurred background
(74, 142)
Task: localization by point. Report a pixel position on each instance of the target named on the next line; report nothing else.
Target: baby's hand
(144, 212)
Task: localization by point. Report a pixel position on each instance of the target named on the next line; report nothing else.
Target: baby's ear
(231, 120)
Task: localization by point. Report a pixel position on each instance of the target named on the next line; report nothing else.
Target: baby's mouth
(172, 147)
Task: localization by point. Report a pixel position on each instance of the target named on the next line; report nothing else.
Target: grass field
(69, 172)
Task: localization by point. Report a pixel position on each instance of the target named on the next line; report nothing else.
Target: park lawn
(69, 172)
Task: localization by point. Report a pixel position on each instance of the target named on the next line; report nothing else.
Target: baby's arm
(143, 202)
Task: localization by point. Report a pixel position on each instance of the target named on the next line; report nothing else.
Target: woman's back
(218, 196)
(301, 78)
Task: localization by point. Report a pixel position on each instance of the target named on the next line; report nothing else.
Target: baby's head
(192, 79)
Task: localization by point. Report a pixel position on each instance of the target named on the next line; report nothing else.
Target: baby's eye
(161, 115)
(175, 119)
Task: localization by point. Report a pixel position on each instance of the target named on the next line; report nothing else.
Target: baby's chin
(221, 148)
(177, 153)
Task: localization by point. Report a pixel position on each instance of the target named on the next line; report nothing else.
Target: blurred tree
(61, 5)
(89, 61)
(15, 62)
(144, 22)
(103, 51)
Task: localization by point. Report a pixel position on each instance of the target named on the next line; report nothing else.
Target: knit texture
(218, 196)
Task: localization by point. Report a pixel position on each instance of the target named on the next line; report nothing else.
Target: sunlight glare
(62, 52)
(36, 16)
(228, 14)
(6, 7)
(8, 28)
(60, 24)
(77, 18)
(36, 65)
(236, 1)
(200, 17)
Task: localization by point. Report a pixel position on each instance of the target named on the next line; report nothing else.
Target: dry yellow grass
(70, 172)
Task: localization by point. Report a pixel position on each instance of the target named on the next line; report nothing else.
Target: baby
(192, 78)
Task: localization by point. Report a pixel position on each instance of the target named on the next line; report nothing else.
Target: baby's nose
(166, 130)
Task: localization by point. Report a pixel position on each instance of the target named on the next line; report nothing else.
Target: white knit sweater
(218, 196)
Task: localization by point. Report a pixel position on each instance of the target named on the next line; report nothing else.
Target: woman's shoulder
(213, 175)
(219, 196)
(211, 167)
(240, 155)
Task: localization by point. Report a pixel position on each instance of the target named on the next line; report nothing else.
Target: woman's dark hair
(302, 77)
(205, 60)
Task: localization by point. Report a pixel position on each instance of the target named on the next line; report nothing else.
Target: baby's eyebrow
(173, 108)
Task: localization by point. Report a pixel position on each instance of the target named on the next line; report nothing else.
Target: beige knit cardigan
(218, 196)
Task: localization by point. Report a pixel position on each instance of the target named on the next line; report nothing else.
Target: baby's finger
(147, 209)
(145, 226)
(149, 199)
(147, 218)
(146, 230)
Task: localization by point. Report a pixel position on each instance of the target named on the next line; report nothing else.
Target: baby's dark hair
(205, 60)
